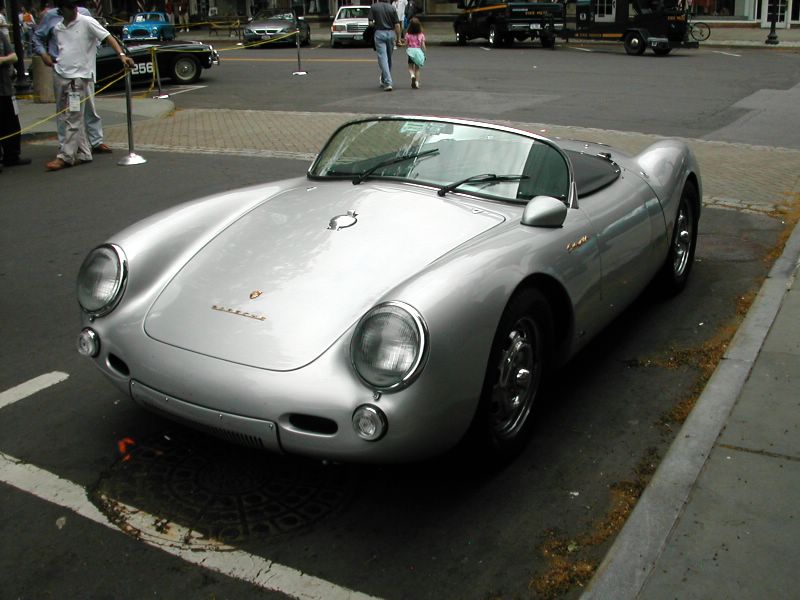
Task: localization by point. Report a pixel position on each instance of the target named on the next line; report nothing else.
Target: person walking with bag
(387, 34)
(416, 50)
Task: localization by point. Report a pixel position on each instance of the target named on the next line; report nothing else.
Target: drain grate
(224, 492)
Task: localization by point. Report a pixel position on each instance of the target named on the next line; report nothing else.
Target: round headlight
(389, 345)
(101, 279)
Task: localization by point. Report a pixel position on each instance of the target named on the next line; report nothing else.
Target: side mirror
(544, 211)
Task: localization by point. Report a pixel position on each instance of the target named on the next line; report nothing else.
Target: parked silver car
(269, 27)
(349, 24)
(412, 291)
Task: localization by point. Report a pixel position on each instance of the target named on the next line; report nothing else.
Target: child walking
(415, 48)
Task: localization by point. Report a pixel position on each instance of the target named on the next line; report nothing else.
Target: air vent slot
(313, 424)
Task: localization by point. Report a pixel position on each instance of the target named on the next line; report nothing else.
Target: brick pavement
(740, 176)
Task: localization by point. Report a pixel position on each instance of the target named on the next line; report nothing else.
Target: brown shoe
(102, 149)
(57, 165)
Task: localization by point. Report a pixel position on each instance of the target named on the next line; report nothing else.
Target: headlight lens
(101, 279)
(389, 346)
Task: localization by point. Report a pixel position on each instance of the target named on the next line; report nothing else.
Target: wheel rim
(185, 69)
(492, 37)
(683, 240)
(518, 380)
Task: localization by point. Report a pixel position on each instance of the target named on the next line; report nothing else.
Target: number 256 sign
(142, 68)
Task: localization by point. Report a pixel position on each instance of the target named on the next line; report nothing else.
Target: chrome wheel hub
(683, 242)
(517, 382)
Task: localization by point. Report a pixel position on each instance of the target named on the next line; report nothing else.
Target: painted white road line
(30, 387)
(175, 539)
(581, 49)
(726, 53)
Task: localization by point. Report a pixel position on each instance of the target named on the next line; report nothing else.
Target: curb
(632, 557)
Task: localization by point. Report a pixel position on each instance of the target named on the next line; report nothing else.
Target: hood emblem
(238, 313)
(342, 221)
(255, 294)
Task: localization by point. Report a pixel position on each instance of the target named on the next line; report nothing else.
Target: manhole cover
(224, 492)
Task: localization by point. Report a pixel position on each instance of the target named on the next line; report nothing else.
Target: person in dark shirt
(383, 17)
(9, 119)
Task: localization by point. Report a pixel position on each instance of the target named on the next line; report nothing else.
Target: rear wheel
(518, 363)
(548, 40)
(678, 264)
(634, 43)
(185, 69)
(700, 31)
(461, 36)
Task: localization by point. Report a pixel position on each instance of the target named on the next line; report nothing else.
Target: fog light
(88, 343)
(369, 422)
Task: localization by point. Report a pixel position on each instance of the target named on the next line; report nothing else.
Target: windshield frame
(570, 198)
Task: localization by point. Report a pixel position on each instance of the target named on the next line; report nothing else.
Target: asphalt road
(738, 95)
(433, 530)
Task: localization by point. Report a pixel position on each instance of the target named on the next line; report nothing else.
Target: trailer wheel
(634, 44)
(495, 39)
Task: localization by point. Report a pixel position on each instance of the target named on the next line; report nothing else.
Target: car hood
(276, 288)
(270, 23)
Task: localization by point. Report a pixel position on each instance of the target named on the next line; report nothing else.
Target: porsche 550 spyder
(411, 292)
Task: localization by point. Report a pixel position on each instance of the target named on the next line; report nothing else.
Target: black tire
(306, 41)
(334, 43)
(678, 265)
(461, 36)
(517, 368)
(495, 39)
(548, 40)
(185, 69)
(661, 51)
(700, 31)
(635, 44)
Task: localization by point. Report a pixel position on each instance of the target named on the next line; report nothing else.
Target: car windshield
(268, 15)
(361, 12)
(451, 156)
(145, 18)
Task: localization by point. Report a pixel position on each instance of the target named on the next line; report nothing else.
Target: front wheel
(700, 31)
(634, 44)
(518, 363)
(461, 36)
(185, 70)
(678, 264)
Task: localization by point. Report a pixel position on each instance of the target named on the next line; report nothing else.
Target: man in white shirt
(73, 79)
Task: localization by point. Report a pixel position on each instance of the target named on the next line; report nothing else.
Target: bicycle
(698, 30)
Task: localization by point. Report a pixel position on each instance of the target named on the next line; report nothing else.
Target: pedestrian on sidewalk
(416, 50)
(44, 42)
(77, 37)
(400, 7)
(10, 138)
(387, 34)
(28, 24)
(183, 15)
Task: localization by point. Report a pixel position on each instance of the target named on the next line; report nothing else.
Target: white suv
(349, 25)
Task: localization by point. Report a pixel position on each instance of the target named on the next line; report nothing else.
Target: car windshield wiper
(482, 178)
(397, 159)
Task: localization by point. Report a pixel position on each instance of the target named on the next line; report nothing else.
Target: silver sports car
(411, 292)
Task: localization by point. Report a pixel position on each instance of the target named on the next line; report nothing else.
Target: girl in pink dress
(415, 48)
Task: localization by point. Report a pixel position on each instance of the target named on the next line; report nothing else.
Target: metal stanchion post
(132, 158)
(300, 70)
(157, 75)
